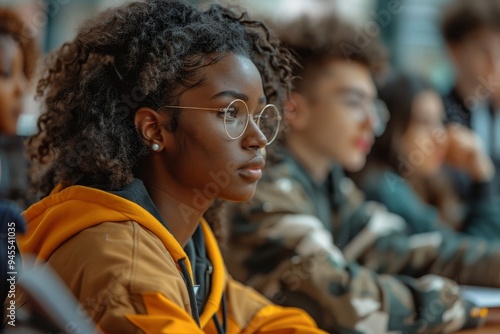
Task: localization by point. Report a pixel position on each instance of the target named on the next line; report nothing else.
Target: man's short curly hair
(462, 17)
(11, 25)
(140, 54)
(315, 40)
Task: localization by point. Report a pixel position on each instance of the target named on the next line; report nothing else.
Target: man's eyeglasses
(361, 107)
(237, 115)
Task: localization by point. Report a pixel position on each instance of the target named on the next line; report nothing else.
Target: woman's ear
(149, 125)
(296, 111)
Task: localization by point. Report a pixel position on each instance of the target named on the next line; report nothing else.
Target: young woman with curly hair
(152, 112)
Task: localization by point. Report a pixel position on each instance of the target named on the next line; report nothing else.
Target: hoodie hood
(66, 212)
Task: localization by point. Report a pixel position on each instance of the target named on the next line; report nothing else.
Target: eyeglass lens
(236, 120)
(382, 117)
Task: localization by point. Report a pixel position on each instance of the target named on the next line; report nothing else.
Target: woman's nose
(21, 83)
(370, 119)
(254, 138)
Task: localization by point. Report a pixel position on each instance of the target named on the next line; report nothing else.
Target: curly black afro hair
(140, 54)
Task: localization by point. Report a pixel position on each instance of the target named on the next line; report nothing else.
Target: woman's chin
(430, 170)
(355, 164)
(243, 195)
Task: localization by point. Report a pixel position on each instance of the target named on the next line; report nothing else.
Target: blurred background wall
(409, 28)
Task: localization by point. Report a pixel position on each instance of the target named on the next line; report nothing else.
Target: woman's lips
(364, 144)
(252, 170)
(16, 112)
(439, 157)
(250, 174)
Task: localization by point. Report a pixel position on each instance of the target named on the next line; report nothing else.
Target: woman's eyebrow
(231, 93)
(237, 95)
(353, 91)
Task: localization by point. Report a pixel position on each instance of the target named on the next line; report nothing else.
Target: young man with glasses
(302, 237)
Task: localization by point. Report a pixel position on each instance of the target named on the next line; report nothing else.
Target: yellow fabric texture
(121, 264)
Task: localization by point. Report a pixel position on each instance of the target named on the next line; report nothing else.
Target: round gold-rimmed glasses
(237, 115)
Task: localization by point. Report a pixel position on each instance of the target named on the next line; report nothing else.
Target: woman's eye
(349, 100)
(352, 101)
(231, 114)
(5, 73)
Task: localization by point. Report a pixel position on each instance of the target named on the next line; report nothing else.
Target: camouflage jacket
(302, 244)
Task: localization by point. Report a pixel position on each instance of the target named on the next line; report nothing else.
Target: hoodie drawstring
(189, 285)
(192, 300)
(221, 329)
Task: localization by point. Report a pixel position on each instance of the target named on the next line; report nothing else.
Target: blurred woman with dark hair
(18, 56)
(404, 170)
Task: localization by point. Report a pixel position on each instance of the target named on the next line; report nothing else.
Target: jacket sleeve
(285, 252)
(269, 318)
(480, 218)
(427, 246)
(483, 213)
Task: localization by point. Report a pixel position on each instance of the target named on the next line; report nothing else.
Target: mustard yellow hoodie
(132, 276)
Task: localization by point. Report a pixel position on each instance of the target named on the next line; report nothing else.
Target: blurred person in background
(18, 56)
(305, 236)
(404, 169)
(471, 30)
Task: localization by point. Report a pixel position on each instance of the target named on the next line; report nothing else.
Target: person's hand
(466, 153)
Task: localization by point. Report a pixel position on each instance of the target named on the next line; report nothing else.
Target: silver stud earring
(155, 147)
